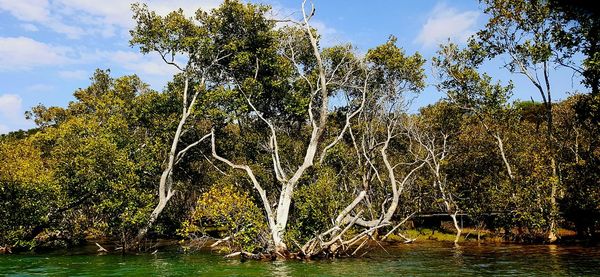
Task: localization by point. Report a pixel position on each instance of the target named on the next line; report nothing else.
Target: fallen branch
(220, 241)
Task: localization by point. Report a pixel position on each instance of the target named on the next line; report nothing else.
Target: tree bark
(165, 185)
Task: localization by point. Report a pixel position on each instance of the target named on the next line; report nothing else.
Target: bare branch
(182, 152)
(280, 174)
(349, 117)
(170, 62)
(250, 173)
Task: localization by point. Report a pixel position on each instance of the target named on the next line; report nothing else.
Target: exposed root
(336, 246)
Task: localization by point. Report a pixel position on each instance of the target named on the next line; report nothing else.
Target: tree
(319, 73)
(29, 192)
(433, 139)
(522, 30)
(89, 162)
(576, 30)
(578, 144)
(170, 36)
(391, 76)
(475, 93)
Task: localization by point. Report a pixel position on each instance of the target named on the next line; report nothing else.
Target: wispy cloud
(141, 64)
(29, 27)
(10, 106)
(329, 35)
(41, 12)
(39, 88)
(22, 53)
(189, 6)
(32, 10)
(79, 18)
(74, 74)
(446, 22)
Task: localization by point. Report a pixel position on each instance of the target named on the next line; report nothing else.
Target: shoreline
(425, 237)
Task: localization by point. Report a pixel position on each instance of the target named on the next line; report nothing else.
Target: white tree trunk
(458, 229)
(165, 185)
(503, 154)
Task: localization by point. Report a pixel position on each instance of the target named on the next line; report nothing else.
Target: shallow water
(419, 259)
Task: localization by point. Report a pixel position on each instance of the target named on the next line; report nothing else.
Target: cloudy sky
(49, 48)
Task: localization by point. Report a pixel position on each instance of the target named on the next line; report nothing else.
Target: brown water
(419, 259)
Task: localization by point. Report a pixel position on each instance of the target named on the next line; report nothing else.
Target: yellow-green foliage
(228, 208)
(27, 190)
(428, 234)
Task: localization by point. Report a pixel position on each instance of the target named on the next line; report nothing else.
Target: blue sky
(49, 48)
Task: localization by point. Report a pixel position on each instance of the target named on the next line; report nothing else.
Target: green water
(420, 259)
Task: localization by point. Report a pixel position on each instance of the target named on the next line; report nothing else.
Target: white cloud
(12, 114)
(447, 22)
(29, 27)
(118, 12)
(80, 18)
(328, 36)
(10, 106)
(189, 6)
(69, 30)
(27, 10)
(77, 18)
(111, 12)
(151, 68)
(74, 74)
(22, 53)
(41, 12)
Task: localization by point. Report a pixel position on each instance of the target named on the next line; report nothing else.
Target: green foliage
(580, 156)
(86, 177)
(464, 86)
(575, 30)
(521, 28)
(394, 72)
(315, 206)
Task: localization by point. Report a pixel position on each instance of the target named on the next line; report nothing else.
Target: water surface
(419, 259)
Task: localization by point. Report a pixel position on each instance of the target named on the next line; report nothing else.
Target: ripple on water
(419, 259)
